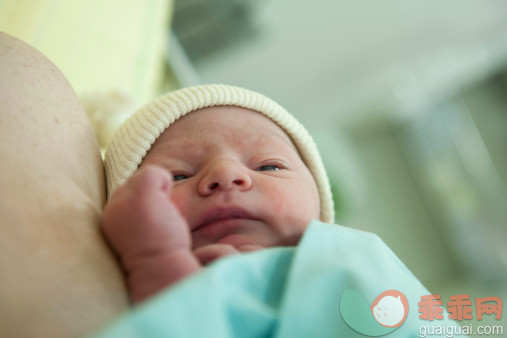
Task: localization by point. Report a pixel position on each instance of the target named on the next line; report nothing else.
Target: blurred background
(406, 100)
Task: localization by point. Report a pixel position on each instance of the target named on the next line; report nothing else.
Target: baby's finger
(150, 178)
(249, 248)
(209, 253)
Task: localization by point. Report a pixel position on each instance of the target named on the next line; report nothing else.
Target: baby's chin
(241, 242)
(211, 252)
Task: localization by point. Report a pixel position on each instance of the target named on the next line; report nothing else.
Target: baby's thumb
(151, 178)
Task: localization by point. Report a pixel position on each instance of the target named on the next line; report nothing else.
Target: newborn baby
(207, 172)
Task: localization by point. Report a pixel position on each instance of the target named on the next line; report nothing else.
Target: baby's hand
(149, 234)
(140, 218)
(211, 252)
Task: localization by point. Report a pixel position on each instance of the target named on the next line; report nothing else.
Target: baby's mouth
(222, 214)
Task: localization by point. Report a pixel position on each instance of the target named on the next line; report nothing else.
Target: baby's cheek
(278, 202)
(182, 202)
(310, 201)
(285, 206)
(277, 207)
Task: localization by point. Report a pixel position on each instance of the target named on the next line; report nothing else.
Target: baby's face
(238, 178)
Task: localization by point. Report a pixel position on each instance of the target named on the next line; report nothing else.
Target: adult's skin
(58, 276)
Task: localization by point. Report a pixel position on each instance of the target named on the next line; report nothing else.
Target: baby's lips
(221, 212)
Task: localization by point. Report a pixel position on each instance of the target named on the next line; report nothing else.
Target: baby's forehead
(229, 122)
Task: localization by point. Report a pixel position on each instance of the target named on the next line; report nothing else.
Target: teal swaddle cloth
(320, 288)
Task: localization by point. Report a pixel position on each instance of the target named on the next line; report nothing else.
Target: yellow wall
(100, 45)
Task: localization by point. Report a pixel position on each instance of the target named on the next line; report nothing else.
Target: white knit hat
(131, 142)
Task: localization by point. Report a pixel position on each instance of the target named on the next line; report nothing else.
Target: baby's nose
(225, 175)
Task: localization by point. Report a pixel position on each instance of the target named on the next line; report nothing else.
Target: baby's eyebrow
(174, 152)
(184, 149)
(287, 140)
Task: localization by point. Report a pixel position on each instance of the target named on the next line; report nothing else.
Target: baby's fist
(140, 219)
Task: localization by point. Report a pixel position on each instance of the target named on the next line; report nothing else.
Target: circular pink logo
(390, 308)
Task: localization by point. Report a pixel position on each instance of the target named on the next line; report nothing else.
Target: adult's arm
(57, 275)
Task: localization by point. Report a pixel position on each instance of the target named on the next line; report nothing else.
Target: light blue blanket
(320, 288)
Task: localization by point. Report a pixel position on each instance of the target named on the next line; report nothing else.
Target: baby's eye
(179, 177)
(268, 167)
